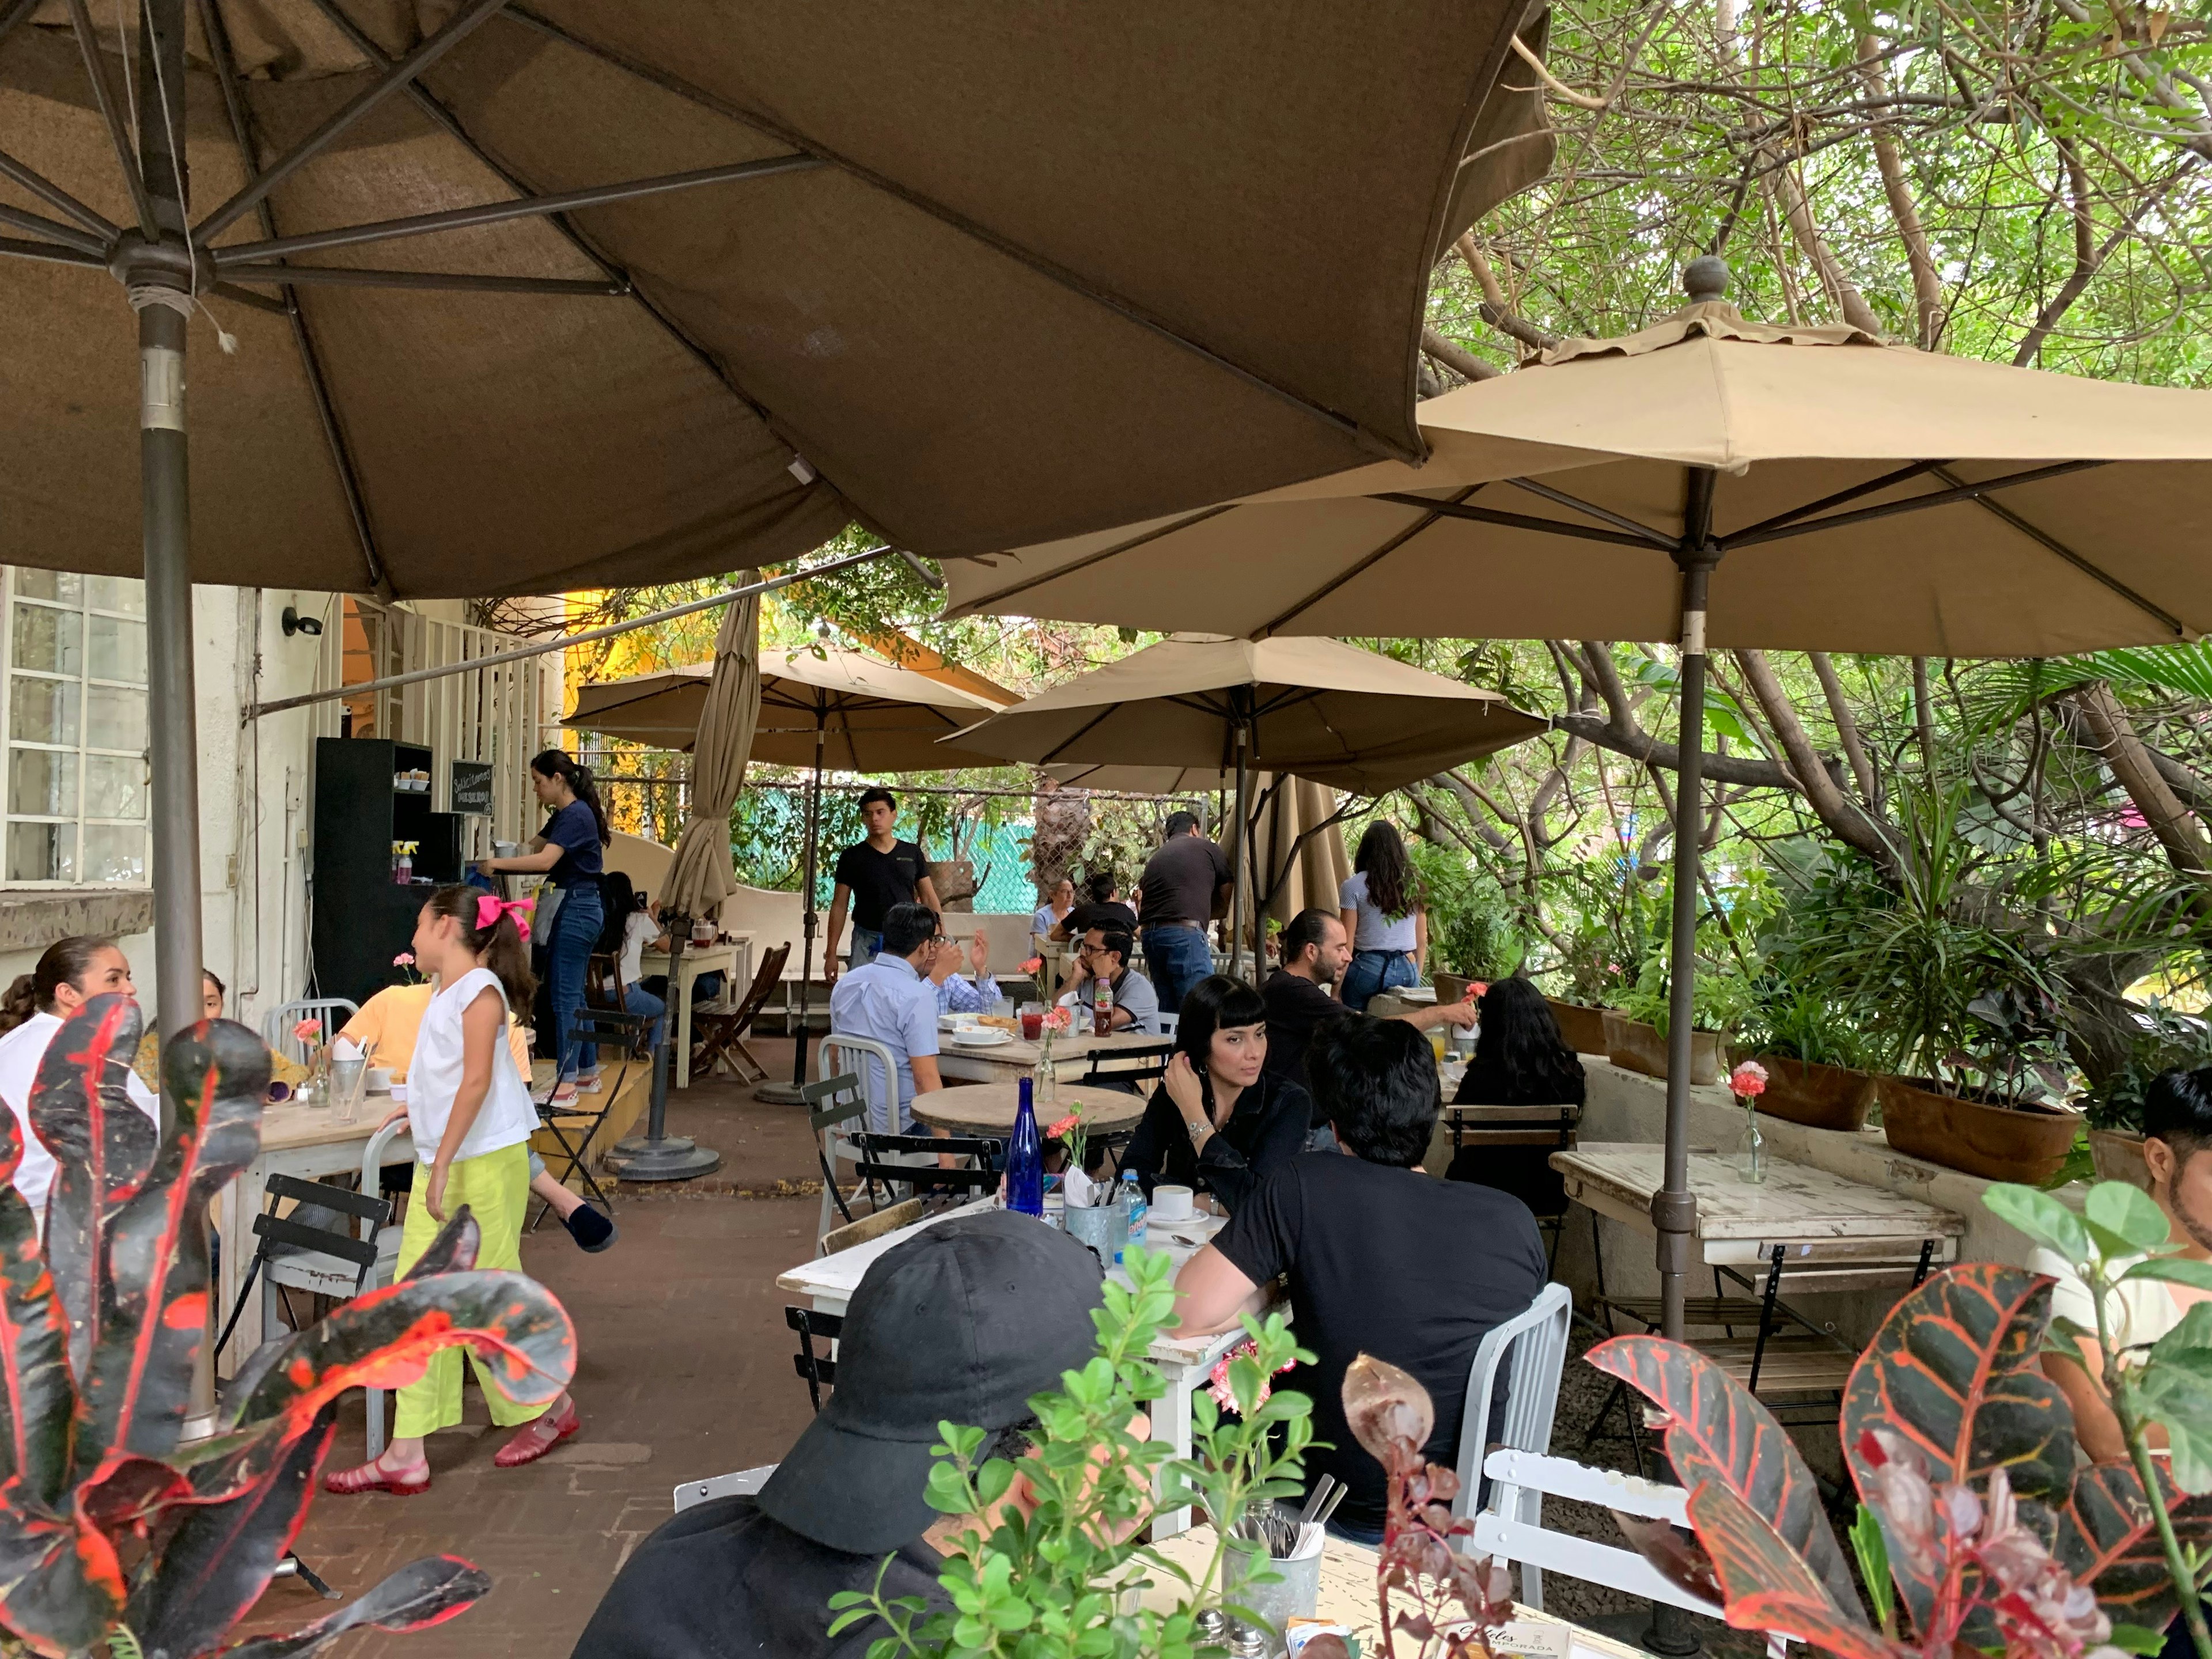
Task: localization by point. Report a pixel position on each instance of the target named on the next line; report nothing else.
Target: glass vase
(1753, 1163)
(1047, 1086)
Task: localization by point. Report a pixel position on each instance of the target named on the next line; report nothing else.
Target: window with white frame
(73, 705)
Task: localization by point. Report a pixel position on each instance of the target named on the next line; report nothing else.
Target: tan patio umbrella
(1298, 850)
(1325, 711)
(1855, 495)
(830, 710)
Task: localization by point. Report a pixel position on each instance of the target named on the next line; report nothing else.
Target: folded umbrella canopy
(1715, 481)
(1327, 712)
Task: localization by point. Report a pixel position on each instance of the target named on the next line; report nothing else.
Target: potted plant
(1812, 1057)
(2015, 1124)
(1635, 1031)
(2165, 1040)
(138, 1542)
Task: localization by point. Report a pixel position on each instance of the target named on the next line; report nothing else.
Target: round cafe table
(987, 1108)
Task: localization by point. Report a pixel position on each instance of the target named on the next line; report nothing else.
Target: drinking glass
(1032, 1021)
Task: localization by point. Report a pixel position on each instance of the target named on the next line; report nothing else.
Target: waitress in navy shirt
(571, 851)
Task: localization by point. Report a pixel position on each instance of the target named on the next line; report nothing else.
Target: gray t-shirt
(1376, 931)
(1134, 993)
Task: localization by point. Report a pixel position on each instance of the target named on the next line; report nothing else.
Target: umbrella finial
(1705, 279)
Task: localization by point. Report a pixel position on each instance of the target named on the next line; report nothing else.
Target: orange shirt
(390, 1019)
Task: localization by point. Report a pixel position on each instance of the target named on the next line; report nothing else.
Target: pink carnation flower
(1748, 1080)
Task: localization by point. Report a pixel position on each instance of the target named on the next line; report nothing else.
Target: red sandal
(373, 1476)
(539, 1436)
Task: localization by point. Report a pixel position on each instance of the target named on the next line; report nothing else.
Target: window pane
(49, 640)
(42, 851)
(44, 711)
(114, 851)
(63, 587)
(42, 781)
(113, 718)
(124, 593)
(115, 787)
(119, 649)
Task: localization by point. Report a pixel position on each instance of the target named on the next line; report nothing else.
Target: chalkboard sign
(472, 787)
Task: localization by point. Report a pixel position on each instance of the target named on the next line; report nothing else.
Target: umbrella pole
(1239, 865)
(787, 1094)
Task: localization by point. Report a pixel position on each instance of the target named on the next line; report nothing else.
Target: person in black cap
(963, 1324)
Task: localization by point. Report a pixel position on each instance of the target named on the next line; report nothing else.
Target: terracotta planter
(1639, 1048)
(2025, 1144)
(1581, 1027)
(1818, 1097)
(2118, 1155)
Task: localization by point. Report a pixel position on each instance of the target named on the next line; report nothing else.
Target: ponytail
(559, 764)
(66, 962)
(500, 946)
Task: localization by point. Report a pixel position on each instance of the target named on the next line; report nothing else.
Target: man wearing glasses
(1105, 955)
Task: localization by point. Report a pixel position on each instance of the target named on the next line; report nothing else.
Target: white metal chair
(1536, 1339)
(276, 1025)
(743, 1484)
(1167, 1023)
(876, 1067)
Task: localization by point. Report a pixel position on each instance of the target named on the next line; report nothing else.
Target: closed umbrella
(830, 710)
(1328, 712)
(1855, 495)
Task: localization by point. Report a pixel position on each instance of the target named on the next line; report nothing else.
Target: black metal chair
(884, 1158)
(834, 1105)
(818, 1371)
(609, 1028)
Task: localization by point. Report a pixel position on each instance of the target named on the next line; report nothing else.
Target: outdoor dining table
(827, 1283)
(987, 1108)
(731, 957)
(1008, 1061)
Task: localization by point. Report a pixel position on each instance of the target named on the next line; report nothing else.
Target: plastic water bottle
(1025, 1157)
(1133, 1205)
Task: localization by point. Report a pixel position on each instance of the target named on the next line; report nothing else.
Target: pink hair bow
(489, 909)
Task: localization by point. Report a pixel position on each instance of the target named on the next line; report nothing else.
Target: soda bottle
(1102, 1018)
(1025, 1157)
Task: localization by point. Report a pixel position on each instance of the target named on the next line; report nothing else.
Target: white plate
(982, 1037)
(956, 1022)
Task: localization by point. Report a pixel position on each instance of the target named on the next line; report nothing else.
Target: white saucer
(984, 1036)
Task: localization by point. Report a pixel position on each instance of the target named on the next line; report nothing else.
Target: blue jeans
(867, 941)
(1374, 972)
(637, 1000)
(1175, 958)
(569, 953)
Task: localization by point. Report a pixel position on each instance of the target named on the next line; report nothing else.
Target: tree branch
(1927, 286)
(1457, 357)
(1842, 818)
(1847, 729)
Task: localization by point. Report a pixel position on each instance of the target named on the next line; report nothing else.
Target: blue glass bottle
(1025, 1158)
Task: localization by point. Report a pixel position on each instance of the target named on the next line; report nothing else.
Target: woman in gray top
(1384, 918)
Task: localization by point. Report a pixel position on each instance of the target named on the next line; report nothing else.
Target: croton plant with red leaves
(1983, 1526)
(109, 1523)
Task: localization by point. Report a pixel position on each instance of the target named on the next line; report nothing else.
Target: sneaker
(589, 1084)
(591, 1228)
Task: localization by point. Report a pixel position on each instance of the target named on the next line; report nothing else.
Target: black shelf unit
(362, 917)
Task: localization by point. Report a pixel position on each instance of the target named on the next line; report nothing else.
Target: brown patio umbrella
(1855, 495)
(1330, 713)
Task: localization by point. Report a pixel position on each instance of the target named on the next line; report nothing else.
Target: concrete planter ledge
(31, 919)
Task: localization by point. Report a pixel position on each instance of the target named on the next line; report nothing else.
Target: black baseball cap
(963, 1323)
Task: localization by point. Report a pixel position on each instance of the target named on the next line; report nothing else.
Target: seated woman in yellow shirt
(284, 1075)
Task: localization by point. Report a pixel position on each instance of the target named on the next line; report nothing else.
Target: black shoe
(591, 1229)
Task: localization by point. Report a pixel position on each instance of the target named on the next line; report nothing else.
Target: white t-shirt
(639, 930)
(434, 1077)
(1376, 931)
(2140, 1310)
(21, 1051)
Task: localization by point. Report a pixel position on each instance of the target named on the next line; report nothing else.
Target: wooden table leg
(683, 1012)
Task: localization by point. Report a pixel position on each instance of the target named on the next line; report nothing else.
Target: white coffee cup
(379, 1080)
(1170, 1204)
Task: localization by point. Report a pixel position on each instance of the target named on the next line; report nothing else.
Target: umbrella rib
(1052, 271)
(55, 196)
(1089, 559)
(247, 297)
(51, 253)
(1889, 509)
(15, 15)
(334, 126)
(2044, 539)
(1887, 479)
(1514, 520)
(346, 276)
(111, 113)
(226, 72)
(52, 229)
(1360, 569)
(1084, 731)
(1659, 539)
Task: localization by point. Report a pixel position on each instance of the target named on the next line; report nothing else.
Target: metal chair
(743, 1484)
(818, 1371)
(277, 1024)
(609, 1028)
(1535, 1342)
(898, 1159)
(834, 1105)
(1111, 1068)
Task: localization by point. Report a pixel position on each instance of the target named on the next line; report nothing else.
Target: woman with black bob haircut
(1520, 1060)
(1217, 1120)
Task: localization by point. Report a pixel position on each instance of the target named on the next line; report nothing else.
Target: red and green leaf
(454, 1250)
(1768, 1586)
(1717, 1432)
(103, 1147)
(1955, 1370)
(61, 1586)
(36, 1399)
(420, 1594)
(136, 1393)
(215, 1566)
(2105, 1537)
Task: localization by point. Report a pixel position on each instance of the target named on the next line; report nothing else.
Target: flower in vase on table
(1070, 1131)
(1747, 1083)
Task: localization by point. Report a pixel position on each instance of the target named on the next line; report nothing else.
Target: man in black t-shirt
(1381, 1259)
(873, 875)
(1185, 885)
(963, 1322)
(1102, 908)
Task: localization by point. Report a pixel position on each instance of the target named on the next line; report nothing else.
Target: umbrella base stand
(656, 1155)
(778, 1094)
(1661, 1629)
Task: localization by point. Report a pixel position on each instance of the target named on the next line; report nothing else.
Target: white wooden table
(1010, 1062)
(829, 1282)
(732, 956)
(295, 1140)
(989, 1109)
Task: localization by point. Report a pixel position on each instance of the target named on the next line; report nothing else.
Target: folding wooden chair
(603, 981)
(718, 1038)
(607, 1028)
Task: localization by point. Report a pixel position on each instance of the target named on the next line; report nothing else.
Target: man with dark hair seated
(1105, 955)
(2178, 1152)
(891, 999)
(963, 1323)
(1381, 1260)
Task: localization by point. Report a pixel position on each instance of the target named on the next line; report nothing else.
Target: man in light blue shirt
(957, 994)
(890, 999)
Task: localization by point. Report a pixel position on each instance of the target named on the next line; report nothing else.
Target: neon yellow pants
(497, 1190)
